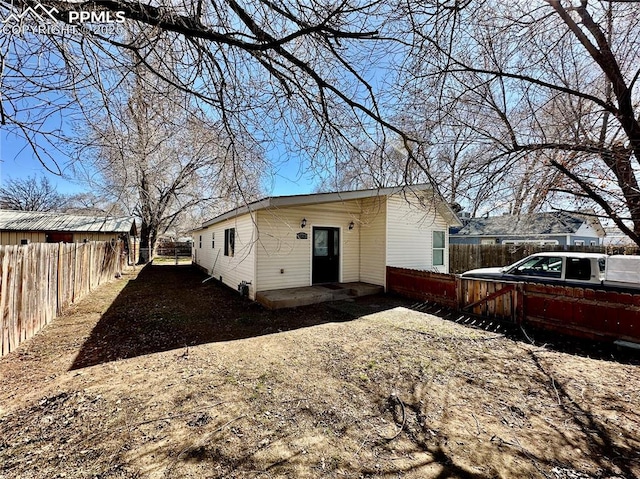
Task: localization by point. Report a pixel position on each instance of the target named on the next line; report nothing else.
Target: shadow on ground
(169, 307)
(605, 351)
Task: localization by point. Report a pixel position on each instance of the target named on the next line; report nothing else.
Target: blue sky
(18, 161)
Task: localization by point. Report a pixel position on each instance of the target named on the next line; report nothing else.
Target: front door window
(326, 255)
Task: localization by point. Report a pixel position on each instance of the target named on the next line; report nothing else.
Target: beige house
(297, 241)
(24, 227)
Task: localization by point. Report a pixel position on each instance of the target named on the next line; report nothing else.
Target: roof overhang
(319, 198)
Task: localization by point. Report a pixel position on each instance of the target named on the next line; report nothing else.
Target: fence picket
(38, 281)
(4, 328)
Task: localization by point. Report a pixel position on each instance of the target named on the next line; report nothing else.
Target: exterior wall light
(303, 223)
(351, 225)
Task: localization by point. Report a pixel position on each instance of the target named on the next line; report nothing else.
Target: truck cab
(573, 267)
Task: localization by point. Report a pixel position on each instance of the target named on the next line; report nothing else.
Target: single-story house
(615, 237)
(553, 228)
(24, 227)
(352, 236)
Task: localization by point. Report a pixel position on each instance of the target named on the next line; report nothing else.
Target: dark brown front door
(326, 255)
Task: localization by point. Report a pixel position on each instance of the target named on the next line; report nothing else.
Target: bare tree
(31, 194)
(293, 77)
(164, 162)
(552, 79)
(93, 203)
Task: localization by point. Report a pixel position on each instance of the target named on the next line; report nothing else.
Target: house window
(213, 240)
(438, 248)
(200, 244)
(578, 242)
(594, 243)
(229, 241)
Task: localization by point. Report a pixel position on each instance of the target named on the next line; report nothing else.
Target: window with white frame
(213, 240)
(438, 248)
(200, 242)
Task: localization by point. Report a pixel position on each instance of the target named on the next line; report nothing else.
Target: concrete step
(294, 297)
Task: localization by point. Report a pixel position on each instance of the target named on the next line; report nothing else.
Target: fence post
(519, 306)
(459, 294)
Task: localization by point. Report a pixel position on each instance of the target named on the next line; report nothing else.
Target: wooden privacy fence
(38, 281)
(463, 257)
(583, 312)
(174, 248)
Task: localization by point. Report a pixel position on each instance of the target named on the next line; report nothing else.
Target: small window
(229, 241)
(213, 240)
(438, 248)
(200, 243)
(578, 268)
(593, 243)
(578, 242)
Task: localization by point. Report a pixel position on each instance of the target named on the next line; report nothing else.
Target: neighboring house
(615, 237)
(24, 227)
(554, 228)
(298, 241)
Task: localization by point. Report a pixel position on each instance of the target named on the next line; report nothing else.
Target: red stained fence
(423, 285)
(583, 312)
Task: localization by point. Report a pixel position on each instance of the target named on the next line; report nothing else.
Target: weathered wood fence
(582, 312)
(174, 249)
(463, 257)
(38, 281)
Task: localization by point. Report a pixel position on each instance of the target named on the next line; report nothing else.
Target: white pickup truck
(619, 271)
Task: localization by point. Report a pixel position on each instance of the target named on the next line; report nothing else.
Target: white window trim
(444, 248)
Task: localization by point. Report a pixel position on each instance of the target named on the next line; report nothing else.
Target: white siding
(587, 232)
(373, 221)
(285, 262)
(394, 231)
(233, 269)
(410, 227)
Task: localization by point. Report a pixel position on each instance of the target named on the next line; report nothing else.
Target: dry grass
(161, 376)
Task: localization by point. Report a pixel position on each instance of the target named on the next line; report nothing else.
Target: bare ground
(158, 375)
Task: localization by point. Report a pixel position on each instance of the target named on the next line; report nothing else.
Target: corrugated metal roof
(11, 220)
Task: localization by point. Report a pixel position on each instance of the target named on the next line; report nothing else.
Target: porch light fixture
(303, 223)
(351, 225)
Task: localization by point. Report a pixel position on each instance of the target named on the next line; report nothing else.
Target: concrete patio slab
(319, 293)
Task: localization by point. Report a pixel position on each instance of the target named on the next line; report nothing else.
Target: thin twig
(553, 383)
(404, 418)
(526, 335)
(200, 443)
(477, 423)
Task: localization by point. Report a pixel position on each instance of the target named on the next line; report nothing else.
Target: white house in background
(350, 236)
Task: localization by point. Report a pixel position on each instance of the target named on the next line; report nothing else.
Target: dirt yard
(158, 375)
